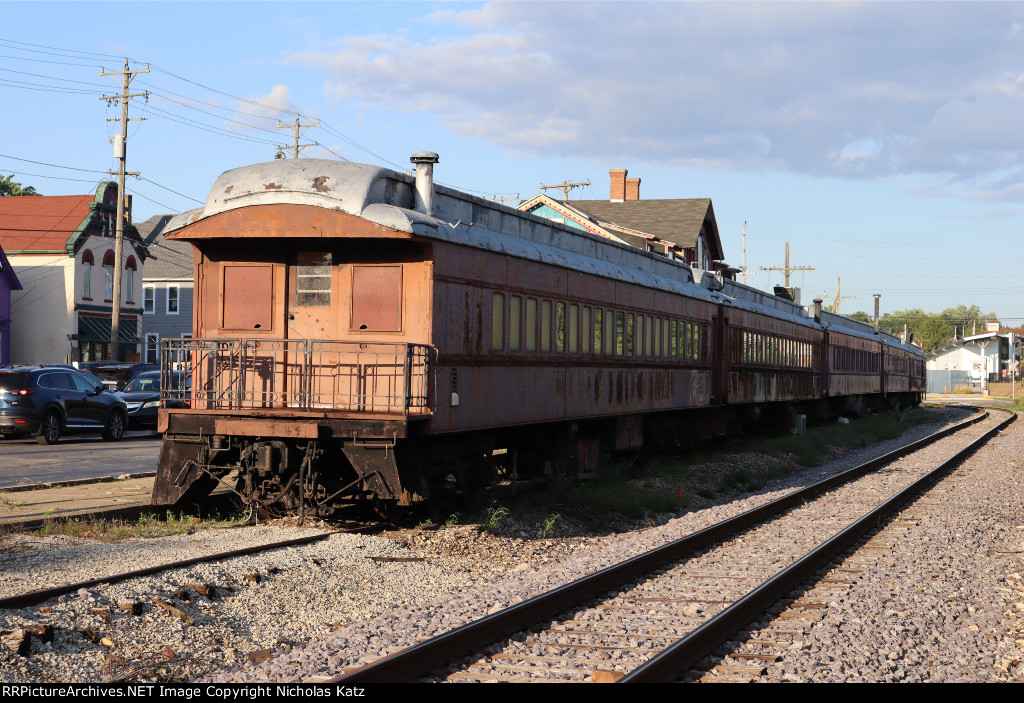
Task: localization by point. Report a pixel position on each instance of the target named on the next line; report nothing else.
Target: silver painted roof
(385, 197)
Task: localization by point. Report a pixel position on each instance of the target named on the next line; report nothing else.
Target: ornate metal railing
(301, 374)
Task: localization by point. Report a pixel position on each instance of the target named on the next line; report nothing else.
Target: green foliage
(8, 502)
(496, 514)
(147, 525)
(739, 479)
(546, 527)
(933, 330)
(452, 520)
(9, 186)
(612, 493)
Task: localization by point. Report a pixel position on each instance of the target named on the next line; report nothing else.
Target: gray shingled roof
(168, 259)
(676, 220)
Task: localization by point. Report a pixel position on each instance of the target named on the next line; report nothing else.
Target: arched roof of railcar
(385, 197)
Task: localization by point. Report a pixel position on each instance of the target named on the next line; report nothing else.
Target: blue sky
(884, 141)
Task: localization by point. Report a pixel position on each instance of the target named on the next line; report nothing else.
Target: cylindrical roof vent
(424, 161)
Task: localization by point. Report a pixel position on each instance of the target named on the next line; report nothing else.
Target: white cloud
(843, 89)
(264, 111)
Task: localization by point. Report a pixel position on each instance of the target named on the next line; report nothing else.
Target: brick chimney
(632, 189)
(618, 190)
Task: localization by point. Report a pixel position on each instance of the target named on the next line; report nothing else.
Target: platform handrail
(302, 374)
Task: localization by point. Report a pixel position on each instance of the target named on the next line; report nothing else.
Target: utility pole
(120, 151)
(298, 130)
(565, 187)
(502, 200)
(835, 302)
(787, 268)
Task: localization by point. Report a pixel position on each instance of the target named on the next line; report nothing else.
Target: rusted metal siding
(506, 386)
(223, 263)
(763, 380)
(765, 387)
(246, 287)
(904, 371)
(866, 378)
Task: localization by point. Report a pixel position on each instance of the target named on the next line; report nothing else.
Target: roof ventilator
(424, 161)
(710, 280)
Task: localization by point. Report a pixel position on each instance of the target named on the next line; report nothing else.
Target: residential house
(682, 228)
(8, 282)
(166, 288)
(62, 250)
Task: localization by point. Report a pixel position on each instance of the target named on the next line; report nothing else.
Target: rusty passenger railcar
(356, 335)
(360, 332)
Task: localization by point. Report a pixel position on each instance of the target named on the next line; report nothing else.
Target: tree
(934, 330)
(9, 186)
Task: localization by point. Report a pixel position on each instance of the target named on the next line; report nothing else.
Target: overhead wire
(37, 48)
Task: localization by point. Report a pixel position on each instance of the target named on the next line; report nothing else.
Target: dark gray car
(50, 401)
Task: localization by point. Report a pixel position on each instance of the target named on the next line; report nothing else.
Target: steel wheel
(49, 430)
(115, 426)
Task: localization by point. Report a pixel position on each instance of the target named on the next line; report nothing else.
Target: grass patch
(818, 445)
(148, 525)
(546, 527)
(8, 503)
(612, 492)
(659, 485)
(496, 514)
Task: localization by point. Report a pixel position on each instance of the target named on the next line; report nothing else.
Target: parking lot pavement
(23, 461)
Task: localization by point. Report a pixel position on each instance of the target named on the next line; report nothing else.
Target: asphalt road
(75, 457)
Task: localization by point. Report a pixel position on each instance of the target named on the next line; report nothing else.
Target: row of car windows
(537, 325)
(769, 349)
(903, 365)
(855, 360)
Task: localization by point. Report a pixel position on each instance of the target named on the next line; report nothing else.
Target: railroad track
(30, 598)
(652, 617)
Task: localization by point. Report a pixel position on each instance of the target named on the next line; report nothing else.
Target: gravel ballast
(327, 606)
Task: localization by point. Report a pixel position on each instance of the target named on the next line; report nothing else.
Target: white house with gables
(62, 250)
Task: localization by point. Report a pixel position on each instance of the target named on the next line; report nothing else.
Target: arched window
(129, 280)
(108, 276)
(87, 263)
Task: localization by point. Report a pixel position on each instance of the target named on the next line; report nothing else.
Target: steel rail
(700, 642)
(419, 659)
(31, 598)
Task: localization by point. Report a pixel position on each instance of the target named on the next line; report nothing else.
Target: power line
(39, 175)
(273, 110)
(52, 78)
(43, 163)
(32, 86)
(36, 48)
(201, 202)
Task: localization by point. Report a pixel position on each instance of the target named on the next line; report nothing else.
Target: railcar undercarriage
(313, 465)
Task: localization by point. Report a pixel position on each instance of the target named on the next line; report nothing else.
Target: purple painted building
(8, 282)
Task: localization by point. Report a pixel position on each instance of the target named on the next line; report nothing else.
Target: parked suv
(50, 401)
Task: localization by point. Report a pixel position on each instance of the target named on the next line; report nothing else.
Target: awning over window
(97, 329)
